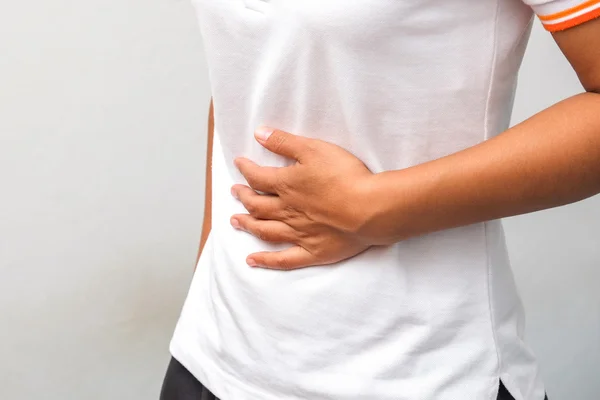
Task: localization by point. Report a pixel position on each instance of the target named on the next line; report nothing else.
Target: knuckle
(291, 236)
(281, 184)
(311, 147)
(260, 233)
(305, 226)
(251, 181)
(279, 142)
(264, 234)
(251, 208)
(319, 253)
(283, 262)
(304, 235)
(288, 213)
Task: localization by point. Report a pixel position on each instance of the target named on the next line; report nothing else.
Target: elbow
(595, 90)
(590, 80)
(591, 85)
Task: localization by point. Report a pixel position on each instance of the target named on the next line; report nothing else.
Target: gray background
(102, 140)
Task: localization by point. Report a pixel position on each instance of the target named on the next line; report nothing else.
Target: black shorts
(180, 384)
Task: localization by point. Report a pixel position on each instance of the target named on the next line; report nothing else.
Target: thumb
(281, 142)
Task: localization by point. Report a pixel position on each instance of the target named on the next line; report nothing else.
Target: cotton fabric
(397, 83)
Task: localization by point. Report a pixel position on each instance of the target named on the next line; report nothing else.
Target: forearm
(550, 160)
(207, 221)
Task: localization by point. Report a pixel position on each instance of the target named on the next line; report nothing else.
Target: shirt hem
(219, 382)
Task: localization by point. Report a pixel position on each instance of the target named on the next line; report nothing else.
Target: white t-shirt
(397, 83)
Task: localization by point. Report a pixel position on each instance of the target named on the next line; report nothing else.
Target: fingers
(261, 206)
(283, 143)
(264, 179)
(269, 231)
(273, 232)
(293, 258)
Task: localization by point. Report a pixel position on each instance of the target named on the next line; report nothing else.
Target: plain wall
(102, 153)
(103, 106)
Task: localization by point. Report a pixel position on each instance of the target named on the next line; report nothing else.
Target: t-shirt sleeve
(557, 15)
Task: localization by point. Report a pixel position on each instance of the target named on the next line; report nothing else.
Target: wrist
(378, 210)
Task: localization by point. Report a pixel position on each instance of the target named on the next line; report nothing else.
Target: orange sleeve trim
(573, 22)
(570, 11)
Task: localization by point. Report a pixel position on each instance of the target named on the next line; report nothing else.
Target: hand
(318, 204)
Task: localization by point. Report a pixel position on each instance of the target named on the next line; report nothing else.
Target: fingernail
(251, 262)
(235, 223)
(262, 133)
(233, 193)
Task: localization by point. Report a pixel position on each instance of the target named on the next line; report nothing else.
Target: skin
(330, 207)
(207, 222)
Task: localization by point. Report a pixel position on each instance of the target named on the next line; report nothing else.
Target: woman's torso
(397, 83)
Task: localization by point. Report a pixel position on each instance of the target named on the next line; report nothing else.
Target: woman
(355, 250)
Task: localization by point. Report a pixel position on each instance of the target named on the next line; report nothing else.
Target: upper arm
(581, 46)
(576, 29)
